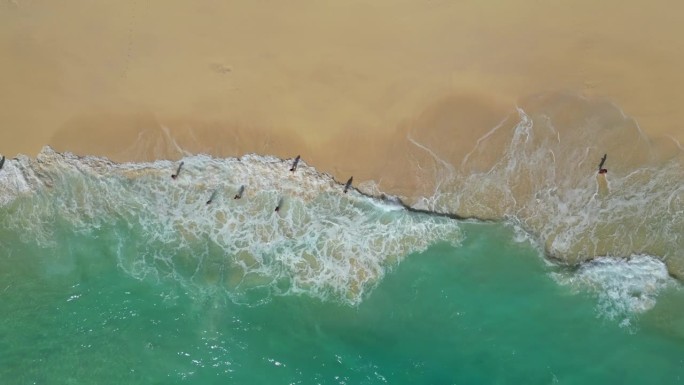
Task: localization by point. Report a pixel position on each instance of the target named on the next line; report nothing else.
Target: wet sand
(342, 84)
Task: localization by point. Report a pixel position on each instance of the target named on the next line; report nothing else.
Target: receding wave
(538, 169)
(321, 242)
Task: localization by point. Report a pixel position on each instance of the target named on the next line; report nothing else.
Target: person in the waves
(295, 163)
(174, 176)
(603, 160)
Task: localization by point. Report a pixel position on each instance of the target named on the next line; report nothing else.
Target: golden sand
(343, 83)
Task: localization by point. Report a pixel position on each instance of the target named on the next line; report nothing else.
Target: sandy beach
(341, 83)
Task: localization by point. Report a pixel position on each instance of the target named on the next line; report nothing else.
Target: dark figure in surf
(603, 160)
(2, 162)
(348, 185)
(213, 195)
(174, 176)
(239, 193)
(295, 163)
(280, 204)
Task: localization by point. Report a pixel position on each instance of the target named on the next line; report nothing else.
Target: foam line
(321, 243)
(623, 286)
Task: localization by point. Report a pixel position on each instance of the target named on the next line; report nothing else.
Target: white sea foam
(546, 183)
(330, 244)
(321, 242)
(539, 174)
(623, 286)
(12, 181)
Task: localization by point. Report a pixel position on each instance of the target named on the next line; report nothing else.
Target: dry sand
(340, 82)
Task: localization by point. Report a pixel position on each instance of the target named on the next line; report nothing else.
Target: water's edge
(31, 179)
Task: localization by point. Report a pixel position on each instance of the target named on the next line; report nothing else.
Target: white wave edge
(623, 287)
(322, 243)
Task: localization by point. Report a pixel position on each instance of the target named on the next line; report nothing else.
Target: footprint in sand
(221, 68)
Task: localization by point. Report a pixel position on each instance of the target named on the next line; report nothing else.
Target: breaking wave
(536, 169)
(322, 242)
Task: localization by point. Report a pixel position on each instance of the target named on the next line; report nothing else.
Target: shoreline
(269, 78)
(378, 196)
(382, 157)
(472, 108)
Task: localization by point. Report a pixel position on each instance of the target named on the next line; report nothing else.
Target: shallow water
(538, 168)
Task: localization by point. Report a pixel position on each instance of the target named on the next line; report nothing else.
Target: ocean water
(117, 273)
(487, 311)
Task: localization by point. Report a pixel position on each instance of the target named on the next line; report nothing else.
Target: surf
(535, 171)
(322, 242)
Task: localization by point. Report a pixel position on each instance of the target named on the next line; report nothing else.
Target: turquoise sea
(118, 274)
(486, 312)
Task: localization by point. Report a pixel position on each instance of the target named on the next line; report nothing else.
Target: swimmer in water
(295, 163)
(348, 185)
(213, 195)
(2, 162)
(239, 193)
(174, 176)
(603, 160)
(280, 204)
